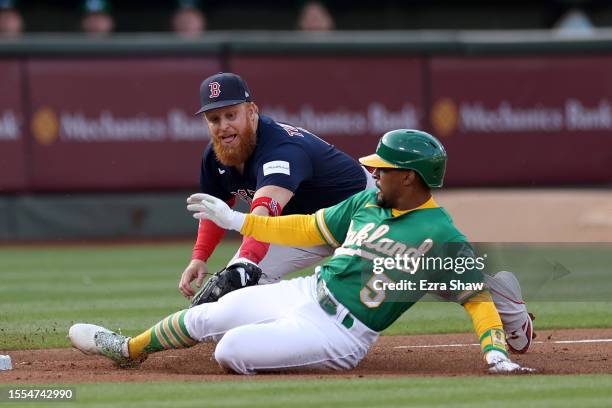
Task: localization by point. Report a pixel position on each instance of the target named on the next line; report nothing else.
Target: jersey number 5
(370, 295)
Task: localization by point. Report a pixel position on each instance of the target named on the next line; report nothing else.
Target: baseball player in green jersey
(384, 240)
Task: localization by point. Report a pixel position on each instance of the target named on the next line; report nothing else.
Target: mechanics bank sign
(9, 125)
(49, 126)
(377, 118)
(449, 116)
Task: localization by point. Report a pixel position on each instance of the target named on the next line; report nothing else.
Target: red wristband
(251, 248)
(273, 207)
(209, 236)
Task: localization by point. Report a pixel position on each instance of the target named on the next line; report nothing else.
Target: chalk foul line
(535, 342)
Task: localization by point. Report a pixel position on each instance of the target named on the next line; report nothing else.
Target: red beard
(235, 155)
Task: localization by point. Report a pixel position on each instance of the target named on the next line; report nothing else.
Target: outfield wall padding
(121, 124)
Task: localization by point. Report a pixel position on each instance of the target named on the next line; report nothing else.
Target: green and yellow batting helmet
(413, 150)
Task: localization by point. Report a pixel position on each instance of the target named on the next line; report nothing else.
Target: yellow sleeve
(487, 322)
(290, 230)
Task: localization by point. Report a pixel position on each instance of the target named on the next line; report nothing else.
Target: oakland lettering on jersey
(374, 241)
(399, 256)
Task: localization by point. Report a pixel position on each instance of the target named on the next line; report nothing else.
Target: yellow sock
(137, 345)
(170, 333)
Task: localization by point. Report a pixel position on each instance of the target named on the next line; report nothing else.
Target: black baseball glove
(238, 275)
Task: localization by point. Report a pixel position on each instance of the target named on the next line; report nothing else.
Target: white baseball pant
(278, 327)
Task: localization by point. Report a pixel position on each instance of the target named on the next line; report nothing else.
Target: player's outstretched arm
(207, 207)
(209, 236)
(488, 327)
(293, 230)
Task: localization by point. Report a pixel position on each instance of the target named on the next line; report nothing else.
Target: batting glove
(205, 206)
(500, 364)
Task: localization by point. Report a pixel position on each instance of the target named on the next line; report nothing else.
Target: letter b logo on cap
(215, 89)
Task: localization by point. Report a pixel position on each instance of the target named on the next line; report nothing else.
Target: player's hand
(196, 270)
(205, 206)
(500, 364)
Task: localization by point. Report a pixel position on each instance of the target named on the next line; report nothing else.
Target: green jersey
(386, 263)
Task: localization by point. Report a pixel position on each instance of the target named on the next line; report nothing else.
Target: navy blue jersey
(316, 172)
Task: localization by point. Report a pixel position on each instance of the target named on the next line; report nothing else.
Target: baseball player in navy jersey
(275, 168)
(331, 318)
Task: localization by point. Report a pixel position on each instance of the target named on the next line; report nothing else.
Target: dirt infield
(431, 355)
(531, 215)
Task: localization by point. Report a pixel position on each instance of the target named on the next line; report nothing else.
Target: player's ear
(248, 108)
(252, 112)
(409, 177)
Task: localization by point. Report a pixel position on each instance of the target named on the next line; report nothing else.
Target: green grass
(556, 272)
(43, 290)
(435, 317)
(468, 392)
